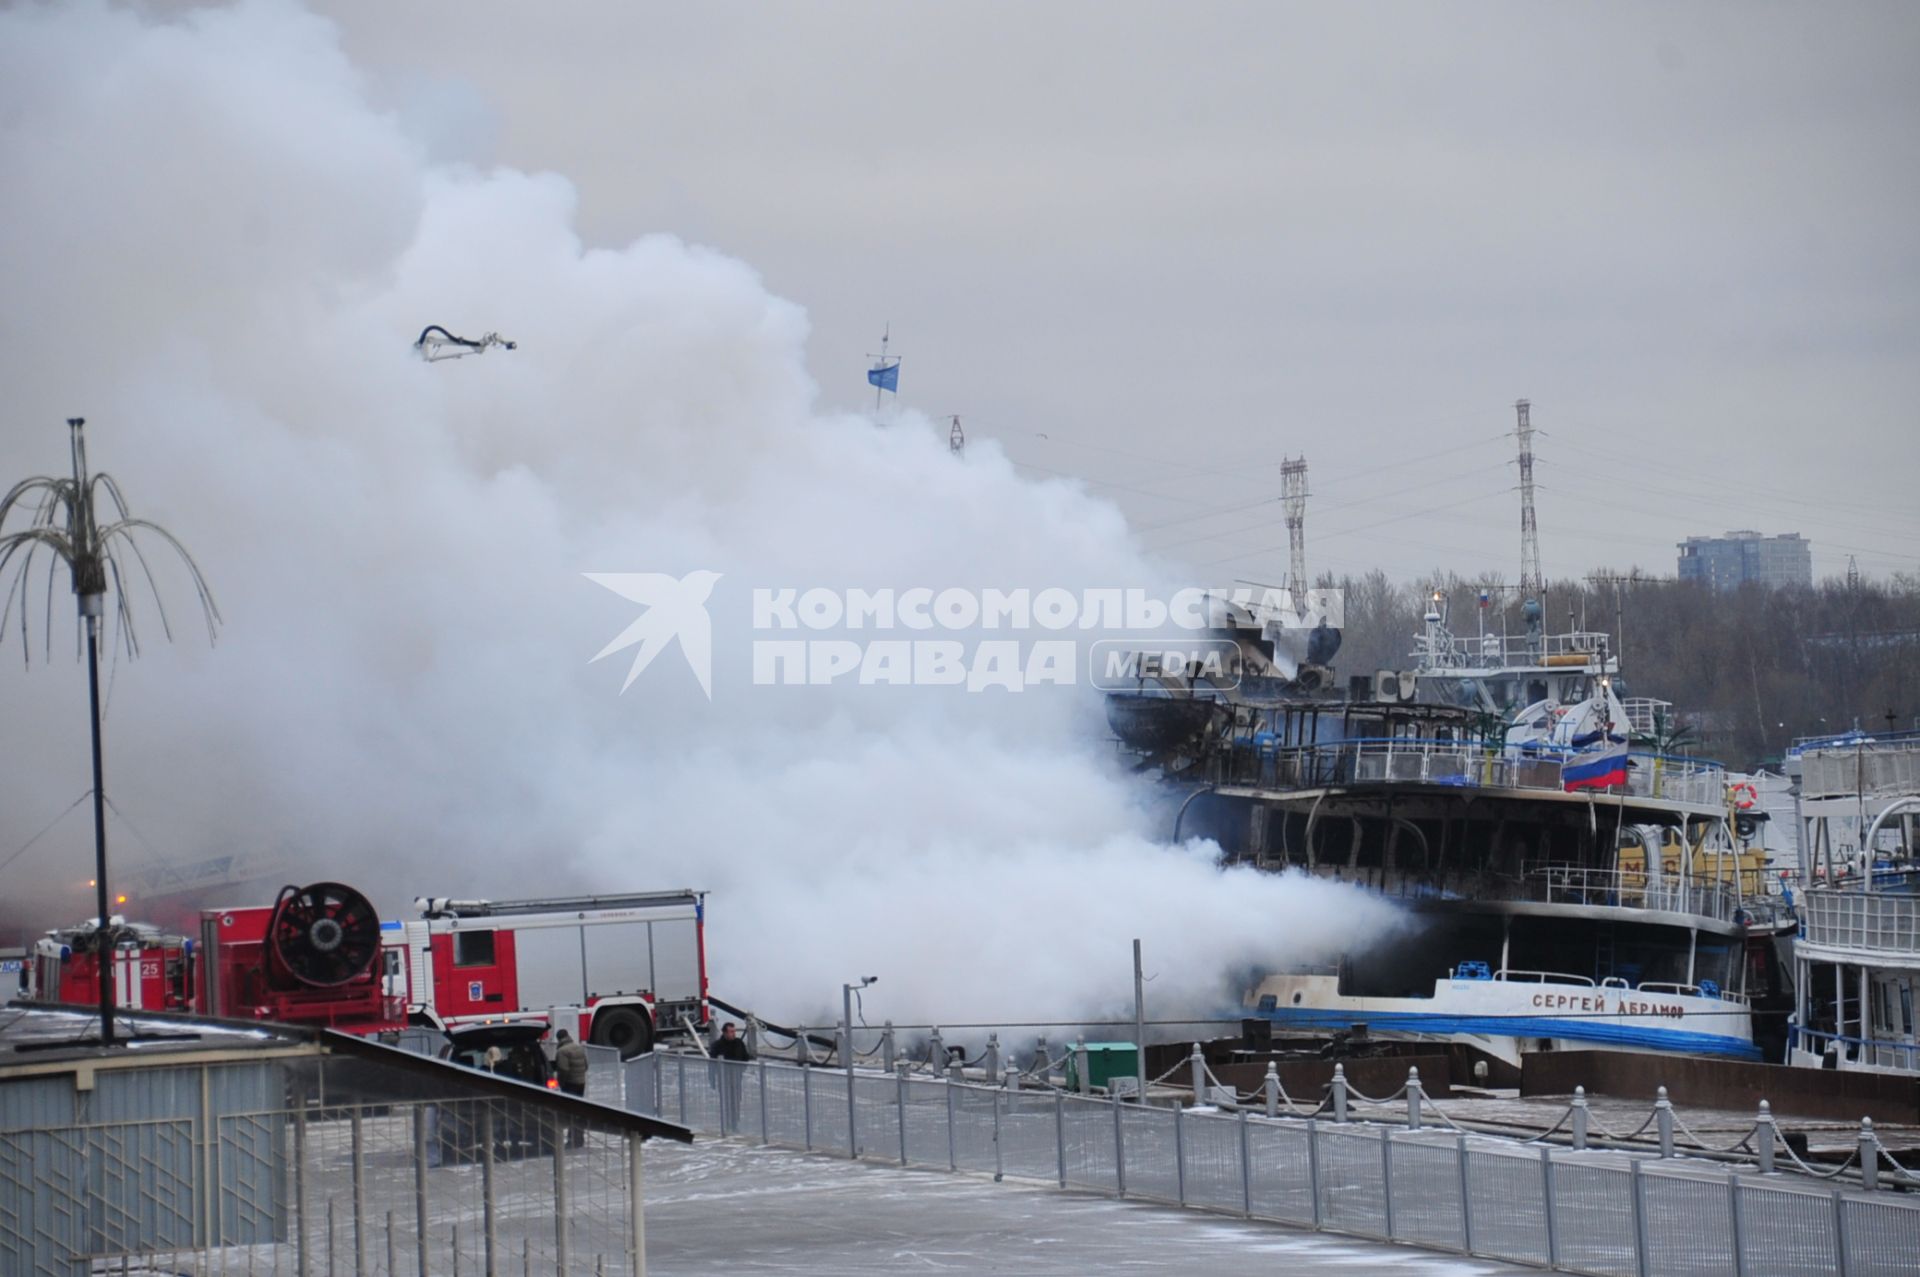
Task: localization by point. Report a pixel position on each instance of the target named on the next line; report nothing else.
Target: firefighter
(570, 1068)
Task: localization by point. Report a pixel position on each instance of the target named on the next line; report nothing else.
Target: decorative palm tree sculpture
(62, 519)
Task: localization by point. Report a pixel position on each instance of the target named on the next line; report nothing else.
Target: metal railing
(1576, 1210)
(1869, 921)
(1875, 770)
(1464, 763)
(1803, 745)
(1868, 1051)
(1507, 651)
(315, 1166)
(1646, 714)
(1559, 884)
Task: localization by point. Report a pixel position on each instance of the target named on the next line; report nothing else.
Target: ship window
(473, 948)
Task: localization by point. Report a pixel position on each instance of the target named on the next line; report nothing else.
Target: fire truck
(315, 956)
(150, 967)
(619, 971)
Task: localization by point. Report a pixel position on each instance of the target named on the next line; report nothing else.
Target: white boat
(1506, 1013)
(1857, 958)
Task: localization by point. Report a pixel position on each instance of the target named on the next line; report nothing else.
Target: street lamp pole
(103, 937)
(63, 518)
(88, 566)
(846, 1047)
(1139, 1027)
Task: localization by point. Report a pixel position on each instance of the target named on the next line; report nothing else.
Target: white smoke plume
(219, 252)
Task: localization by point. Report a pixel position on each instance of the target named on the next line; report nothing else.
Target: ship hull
(1511, 1019)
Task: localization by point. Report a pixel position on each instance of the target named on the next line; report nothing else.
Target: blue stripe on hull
(1506, 1026)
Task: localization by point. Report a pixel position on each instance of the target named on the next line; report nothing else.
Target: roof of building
(37, 1040)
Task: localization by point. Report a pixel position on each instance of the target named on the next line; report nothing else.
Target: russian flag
(1596, 769)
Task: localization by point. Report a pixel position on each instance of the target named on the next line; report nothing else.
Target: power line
(1612, 497)
(1709, 462)
(24, 847)
(1398, 518)
(1104, 483)
(1820, 508)
(1206, 514)
(1347, 505)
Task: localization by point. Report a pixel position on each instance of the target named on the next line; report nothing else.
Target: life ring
(1744, 795)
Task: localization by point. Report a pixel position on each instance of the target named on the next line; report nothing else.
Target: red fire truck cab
(619, 971)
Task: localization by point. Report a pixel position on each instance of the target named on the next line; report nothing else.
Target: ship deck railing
(1511, 976)
(1513, 651)
(1646, 714)
(1868, 768)
(1682, 989)
(1632, 889)
(1560, 885)
(1464, 763)
(1870, 1052)
(1853, 740)
(1618, 984)
(1868, 922)
(1765, 911)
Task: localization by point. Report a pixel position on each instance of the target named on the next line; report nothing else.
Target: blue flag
(887, 378)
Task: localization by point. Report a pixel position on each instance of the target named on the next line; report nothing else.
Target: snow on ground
(725, 1206)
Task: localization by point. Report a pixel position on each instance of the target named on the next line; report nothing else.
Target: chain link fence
(1584, 1211)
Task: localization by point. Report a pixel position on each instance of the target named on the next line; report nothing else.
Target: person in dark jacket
(730, 1056)
(730, 1045)
(570, 1070)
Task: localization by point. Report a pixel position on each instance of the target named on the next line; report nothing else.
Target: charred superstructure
(1561, 887)
(1265, 656)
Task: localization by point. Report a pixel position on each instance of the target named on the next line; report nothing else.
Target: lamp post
(1139, 1027)
(88, 567)
(62, 518)
(846, 1047)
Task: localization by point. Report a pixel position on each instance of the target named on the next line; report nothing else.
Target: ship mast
(884, 375)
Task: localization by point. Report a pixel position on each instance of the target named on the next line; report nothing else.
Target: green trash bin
(1105, 1062)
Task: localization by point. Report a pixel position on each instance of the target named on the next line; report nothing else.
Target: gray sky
(1157, 249)
(1180, 242)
